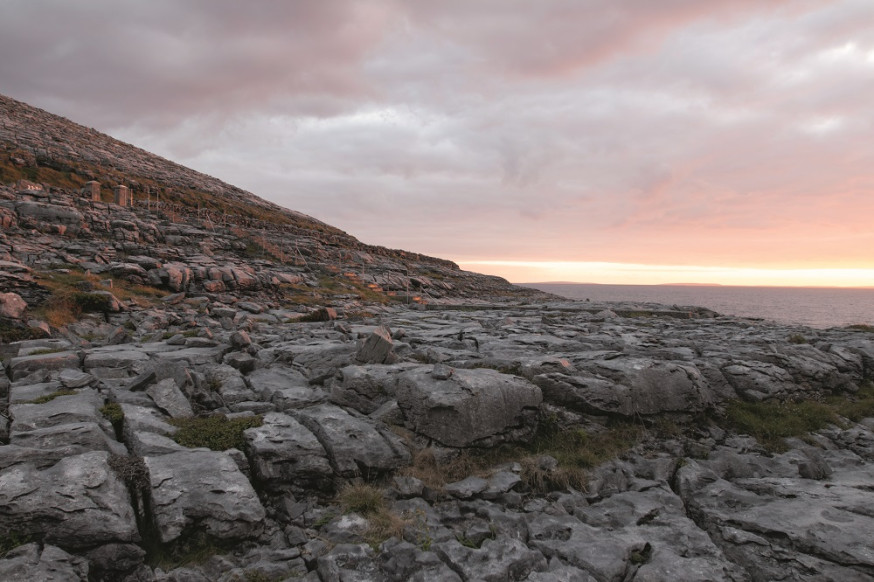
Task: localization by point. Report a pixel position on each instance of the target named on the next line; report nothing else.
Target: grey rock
(473, 407)
(80, 407)
(169, 398)
(12, 305)
(377, 348)
(32, 562)
(201, 490)
(356, 446)
(22, 366)
(115, 357)
(350, 563)
(286, 388)
(365, 388)
(401, 560)
(77, 503)
(467, 488)
(285, 453)
(75, 438)
(496, 560)
(74, 378)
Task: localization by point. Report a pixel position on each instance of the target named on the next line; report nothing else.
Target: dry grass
(66, 301)
(369, 501)
(575, 450)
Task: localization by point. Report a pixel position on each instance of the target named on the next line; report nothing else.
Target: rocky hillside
(262, 398)
(186, 231)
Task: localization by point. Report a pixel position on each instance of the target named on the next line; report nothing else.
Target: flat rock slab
(194, 356)
(25, 365)
(284, 452)
(77, 503)
(80, 407)
(169, 398)
(114, 357)
(201, 490)
(356, 446)
(630, 387)
(764, 519)
(470, 407)
(79, 436)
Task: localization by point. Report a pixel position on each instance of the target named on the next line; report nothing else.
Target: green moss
(52, 396)
(857, 406)
(113, 412)
(218, 432)
(772, 421)
(861, 327)
(11, 540)
(47, 351)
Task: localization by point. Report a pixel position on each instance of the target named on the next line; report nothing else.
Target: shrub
(218, 432)
(772, 421)
(857, 406)
(92, 302)
(797, 338)
(861, 327)
(113, 412)
(131, 470)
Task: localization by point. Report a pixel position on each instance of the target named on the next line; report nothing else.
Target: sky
(606, 141)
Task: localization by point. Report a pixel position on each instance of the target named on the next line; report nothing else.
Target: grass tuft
(369, 501)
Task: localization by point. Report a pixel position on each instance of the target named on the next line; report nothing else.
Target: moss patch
(52, 396)
(218, 432)
(771, 422)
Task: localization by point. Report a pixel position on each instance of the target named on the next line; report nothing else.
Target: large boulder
(78, 503)
(49, 217)
(22, 366)
(12, 305)
(284, 453)
(356, 446)
(629, 387)
(203, 491)
(478, 407)
(285, 387)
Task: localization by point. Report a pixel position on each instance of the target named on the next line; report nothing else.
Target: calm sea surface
(814, 307)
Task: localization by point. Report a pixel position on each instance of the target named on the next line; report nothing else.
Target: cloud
(675, 132)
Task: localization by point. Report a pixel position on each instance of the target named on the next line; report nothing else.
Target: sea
(817, 307)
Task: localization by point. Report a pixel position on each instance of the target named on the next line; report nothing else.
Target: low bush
(857, 406)
(113, 412)
(218, 432)
(772, 421)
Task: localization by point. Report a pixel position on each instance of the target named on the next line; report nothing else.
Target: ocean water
(811, 306)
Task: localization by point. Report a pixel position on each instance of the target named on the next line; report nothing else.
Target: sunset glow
(631, 274)
(574, 140)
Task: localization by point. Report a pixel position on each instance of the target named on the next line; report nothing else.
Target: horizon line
(610, 273)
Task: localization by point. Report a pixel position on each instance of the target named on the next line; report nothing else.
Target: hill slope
(219, 237)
